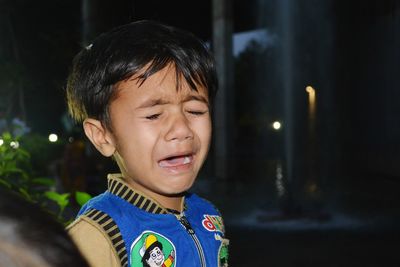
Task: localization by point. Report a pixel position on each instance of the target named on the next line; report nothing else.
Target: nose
(179, 128)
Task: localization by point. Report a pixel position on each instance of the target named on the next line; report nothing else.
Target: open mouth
(176, 161)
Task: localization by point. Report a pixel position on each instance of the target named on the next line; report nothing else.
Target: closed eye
(197, 112)
(153, 117)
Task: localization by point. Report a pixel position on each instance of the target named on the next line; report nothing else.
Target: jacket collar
(118, 187)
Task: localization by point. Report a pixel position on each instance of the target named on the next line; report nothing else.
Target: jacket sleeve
(93, 243)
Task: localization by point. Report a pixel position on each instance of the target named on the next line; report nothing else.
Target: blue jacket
(146, 234)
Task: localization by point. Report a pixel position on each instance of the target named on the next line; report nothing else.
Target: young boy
(143, 92)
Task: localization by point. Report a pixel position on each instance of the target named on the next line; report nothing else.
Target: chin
(178, 190)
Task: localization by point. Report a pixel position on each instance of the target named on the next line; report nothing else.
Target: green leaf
(61, 199)
(9, 155)
(12, 169)
(82, 197)
(44, 181)
(5, 183)
(7, 137)
(23, 153)
(25, 193)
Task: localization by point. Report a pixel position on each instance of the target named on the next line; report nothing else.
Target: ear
(99, 136)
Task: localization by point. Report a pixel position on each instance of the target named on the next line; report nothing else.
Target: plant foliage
(17, 175)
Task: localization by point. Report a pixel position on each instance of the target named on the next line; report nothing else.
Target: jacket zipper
(185, 223)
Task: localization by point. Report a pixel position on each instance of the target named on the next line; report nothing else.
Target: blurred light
(14, 144)
(1, 142)
(279, 183)
(312, 188)
(311, 97)
(71, 139)
(310, 90)
(53, 138)
(276, 125)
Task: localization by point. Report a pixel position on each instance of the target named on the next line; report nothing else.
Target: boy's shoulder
(211, 217)
(194, 201)
(99, 200)
(93, 242)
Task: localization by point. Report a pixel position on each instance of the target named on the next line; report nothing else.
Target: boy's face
(162, 134)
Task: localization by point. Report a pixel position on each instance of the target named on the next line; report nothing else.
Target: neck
(174, 203)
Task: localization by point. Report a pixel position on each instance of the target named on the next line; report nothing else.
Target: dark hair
(34, 232)
(119, 54)
(146, 254)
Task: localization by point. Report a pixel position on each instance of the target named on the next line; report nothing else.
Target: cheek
(129, 141)
(203, 129)
(141, 143)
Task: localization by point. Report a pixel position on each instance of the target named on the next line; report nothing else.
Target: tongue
(175, 161)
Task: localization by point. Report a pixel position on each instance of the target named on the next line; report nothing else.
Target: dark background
(337, 203)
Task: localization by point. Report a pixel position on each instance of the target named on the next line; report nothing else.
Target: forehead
(166, 84)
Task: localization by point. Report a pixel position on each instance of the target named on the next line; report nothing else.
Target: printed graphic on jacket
(223, 251)
(213, 223)
(151, 249)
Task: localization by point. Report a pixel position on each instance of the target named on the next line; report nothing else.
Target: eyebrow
(196, 98)
(159, 101)
(152, 102)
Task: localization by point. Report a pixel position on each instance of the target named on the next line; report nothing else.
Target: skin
(160, 135)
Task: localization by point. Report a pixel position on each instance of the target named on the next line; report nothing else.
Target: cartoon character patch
(151, 249)
(213, 223)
